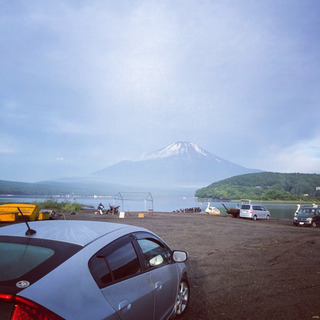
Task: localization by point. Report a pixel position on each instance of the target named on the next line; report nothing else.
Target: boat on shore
(21, 212)
(212, 210)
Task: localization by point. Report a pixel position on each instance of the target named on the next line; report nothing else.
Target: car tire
(268, 217)
(254, 218)
(314, 225)
(183, 298)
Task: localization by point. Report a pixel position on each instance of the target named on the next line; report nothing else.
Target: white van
(253, 211)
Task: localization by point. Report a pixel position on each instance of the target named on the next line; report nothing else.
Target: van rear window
(245, 206)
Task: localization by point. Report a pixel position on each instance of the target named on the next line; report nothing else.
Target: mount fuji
(179, 165)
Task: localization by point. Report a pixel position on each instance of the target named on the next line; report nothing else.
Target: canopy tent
(144, 197)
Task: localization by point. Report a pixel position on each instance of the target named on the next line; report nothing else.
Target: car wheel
(254, 218)
(267, 217)
(314, 225)
(182, 298)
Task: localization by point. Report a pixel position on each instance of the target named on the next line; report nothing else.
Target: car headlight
(295, 218)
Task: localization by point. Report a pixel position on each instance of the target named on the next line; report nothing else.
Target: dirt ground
(241, 269)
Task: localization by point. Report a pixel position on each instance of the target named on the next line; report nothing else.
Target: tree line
(265, 186)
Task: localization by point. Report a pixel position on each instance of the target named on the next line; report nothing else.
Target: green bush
(64, 206)
(71, 207)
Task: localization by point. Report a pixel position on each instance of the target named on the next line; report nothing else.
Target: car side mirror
(179, 256)
(156, 261)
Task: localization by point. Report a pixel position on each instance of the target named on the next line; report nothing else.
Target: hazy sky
(86, 84)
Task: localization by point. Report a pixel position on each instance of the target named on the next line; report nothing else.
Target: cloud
(302, 156)
(119, 79)
(65, 126)
(9, 105)
(6, 148)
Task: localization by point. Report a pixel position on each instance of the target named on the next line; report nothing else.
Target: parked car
(307, 216)
(253, 211)
(61, 269)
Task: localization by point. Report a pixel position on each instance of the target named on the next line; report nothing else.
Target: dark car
(307, 216)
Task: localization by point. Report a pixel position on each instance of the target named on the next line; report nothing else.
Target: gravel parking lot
(241, 269)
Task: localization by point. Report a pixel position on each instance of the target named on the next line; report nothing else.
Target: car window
(257, 208)
(155, 253)
(115, 262)
(31, 259)
(245, 206)
(123, 262)
(18, 259)
(100, 271)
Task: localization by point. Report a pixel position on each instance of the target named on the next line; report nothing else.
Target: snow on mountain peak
(184, 149)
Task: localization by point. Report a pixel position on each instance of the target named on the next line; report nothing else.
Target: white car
(61, 269)
(253, 211)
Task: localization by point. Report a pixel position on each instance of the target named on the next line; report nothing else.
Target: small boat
(212, 210)
(21, 212)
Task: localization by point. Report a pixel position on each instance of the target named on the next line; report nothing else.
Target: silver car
(61, 269)
(253, 211)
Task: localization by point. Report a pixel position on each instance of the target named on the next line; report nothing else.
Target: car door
(258, 211)
(262, 212)
(163, 274)
(123, 281)
(255, 212)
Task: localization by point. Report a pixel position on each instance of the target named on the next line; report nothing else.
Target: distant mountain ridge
(181, 167)
(51, 188)
(181, 164)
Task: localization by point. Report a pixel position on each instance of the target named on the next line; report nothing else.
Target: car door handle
(158, 285)
(124, 306)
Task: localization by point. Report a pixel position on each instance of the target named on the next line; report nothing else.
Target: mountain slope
(183, 150)
(265, 186)
(181, 164)
(50, 188)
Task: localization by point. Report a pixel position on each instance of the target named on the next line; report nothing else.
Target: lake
(159, 203)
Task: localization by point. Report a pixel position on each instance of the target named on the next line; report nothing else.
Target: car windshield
(309, 211)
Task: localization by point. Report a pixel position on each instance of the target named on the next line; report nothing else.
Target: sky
(86, 84)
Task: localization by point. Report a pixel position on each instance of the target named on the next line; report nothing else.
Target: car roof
(71, 231)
